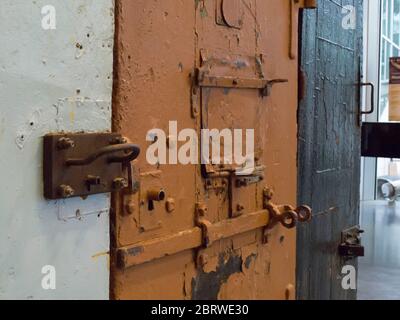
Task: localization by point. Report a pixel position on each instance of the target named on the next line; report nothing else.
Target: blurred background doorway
(379, 270)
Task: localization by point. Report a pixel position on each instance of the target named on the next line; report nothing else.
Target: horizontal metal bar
(158, 248)
(196, 237)
(231, 227)
(231, 82)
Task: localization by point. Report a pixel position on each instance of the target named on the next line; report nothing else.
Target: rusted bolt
(268, 193)
(65, 143)
(130, 207)
(170, 205)
(66, 191)
(118, 140)
(156, 195)
(203, 259)
(120, 183)
(202, 210)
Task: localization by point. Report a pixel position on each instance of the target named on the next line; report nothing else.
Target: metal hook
(135, 151)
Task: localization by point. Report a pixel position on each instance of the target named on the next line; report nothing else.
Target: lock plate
(350, 246)
(98, 175)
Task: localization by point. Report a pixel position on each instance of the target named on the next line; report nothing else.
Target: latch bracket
(83, 164)
(204, 79)
(351, 243)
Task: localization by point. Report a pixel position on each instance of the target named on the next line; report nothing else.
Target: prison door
(329, 149)
(192, 225)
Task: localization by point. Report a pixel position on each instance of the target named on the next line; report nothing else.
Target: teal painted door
(329, 144)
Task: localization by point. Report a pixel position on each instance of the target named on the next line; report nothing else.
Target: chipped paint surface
(158, 44)
(207, 285)
(48, 84)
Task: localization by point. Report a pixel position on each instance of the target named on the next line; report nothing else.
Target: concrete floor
(379, 270)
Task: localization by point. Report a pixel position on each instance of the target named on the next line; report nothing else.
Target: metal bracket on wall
(86, 163)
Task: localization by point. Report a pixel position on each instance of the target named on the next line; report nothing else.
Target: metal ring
(304, 213)
(289, 219)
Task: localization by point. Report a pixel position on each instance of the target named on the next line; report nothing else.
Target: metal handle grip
(372, 110)
(135, 151)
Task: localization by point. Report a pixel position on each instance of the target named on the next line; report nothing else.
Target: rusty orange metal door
(207, 230)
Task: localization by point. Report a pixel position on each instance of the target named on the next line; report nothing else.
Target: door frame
(371, 67)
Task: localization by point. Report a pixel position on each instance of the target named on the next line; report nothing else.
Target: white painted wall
(40, 73)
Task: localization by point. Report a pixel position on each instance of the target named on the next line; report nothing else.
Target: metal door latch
(351, 243)
(286, 215)
(86, 163)
(202, 78)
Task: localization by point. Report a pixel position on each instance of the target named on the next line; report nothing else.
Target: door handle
(135, 151)
(372, 108)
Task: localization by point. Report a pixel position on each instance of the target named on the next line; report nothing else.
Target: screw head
(65, 143)
(118, 140)
(268, 193)
(130, 207)
(202, 210)
(120, 183)
(170, 205)
(66, 191)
